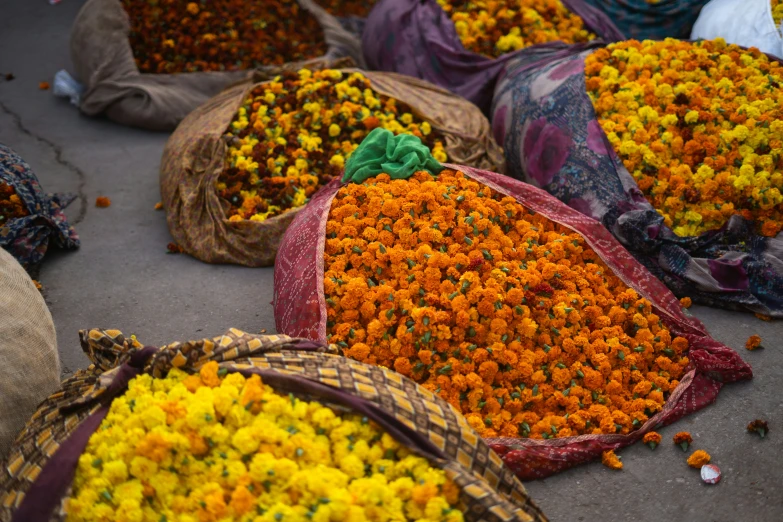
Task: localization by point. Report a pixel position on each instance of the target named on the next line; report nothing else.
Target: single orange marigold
(686, 302)
(753, 342)
(43, 86)
(652, 439)
(683, 439)
(102, 202)
(699, 459)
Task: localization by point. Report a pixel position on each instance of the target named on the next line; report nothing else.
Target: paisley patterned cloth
(417, 38)
(647, 20)
(300, 310)
(545, 120)
(27, 238)
(38, 473)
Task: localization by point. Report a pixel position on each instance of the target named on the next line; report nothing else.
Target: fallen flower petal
(710, 474)
(610, 460)
(753, 342)
(759, 426)
(43, 86)
(173, 248)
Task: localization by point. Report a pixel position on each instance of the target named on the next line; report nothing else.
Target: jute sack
(195, 156)
(103, 60)
(30, 368)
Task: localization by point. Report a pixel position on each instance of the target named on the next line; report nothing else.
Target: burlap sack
(195, 154)
(40, 468)
(30, 368)
(104, 63)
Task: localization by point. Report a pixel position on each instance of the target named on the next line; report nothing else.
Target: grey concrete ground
(122, 278)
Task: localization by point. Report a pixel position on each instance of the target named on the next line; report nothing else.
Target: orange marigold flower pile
(496, 27)
(753, 342)
(293, 134)
(699, 126)
(610, 460)
(360, 8)
(11, 205)
(699, 459)
(508, 316)
(171, 36)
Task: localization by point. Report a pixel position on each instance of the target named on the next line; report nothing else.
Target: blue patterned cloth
(27, 238)
(643, 20)
(545, 121)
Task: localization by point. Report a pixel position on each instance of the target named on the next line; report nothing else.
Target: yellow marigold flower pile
(777, 12)
(294, 134)
(508, 316)
(212, 447)
(699, 126)
(496, 27)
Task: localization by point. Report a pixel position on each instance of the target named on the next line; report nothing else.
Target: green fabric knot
(398, 156)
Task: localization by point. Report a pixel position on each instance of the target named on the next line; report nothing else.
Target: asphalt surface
(122, 278)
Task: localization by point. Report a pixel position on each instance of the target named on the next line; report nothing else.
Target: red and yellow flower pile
(496, 27)
(699, 126)
(360, 8)
(294, 134)
(170, 36)
(215, 447)
(11, 205)
(508, 316)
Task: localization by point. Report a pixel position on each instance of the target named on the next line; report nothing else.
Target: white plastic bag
(65, 86)
(747, 23)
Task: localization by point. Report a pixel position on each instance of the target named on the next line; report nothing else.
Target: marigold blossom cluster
(214, 447)
(699, 126)
(777, 12)
(170, 36)
(360, 8)
(496, 27)
(293, 134)
(11, 205)
(508, 316)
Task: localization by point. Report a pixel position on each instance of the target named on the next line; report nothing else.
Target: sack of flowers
(523, 314)
(249, 427)
(149, 64)
(28, 350)
(463, 46)
(238, 169)
(674, 146)
(29, 218)
(751, 23)
(651, 19)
